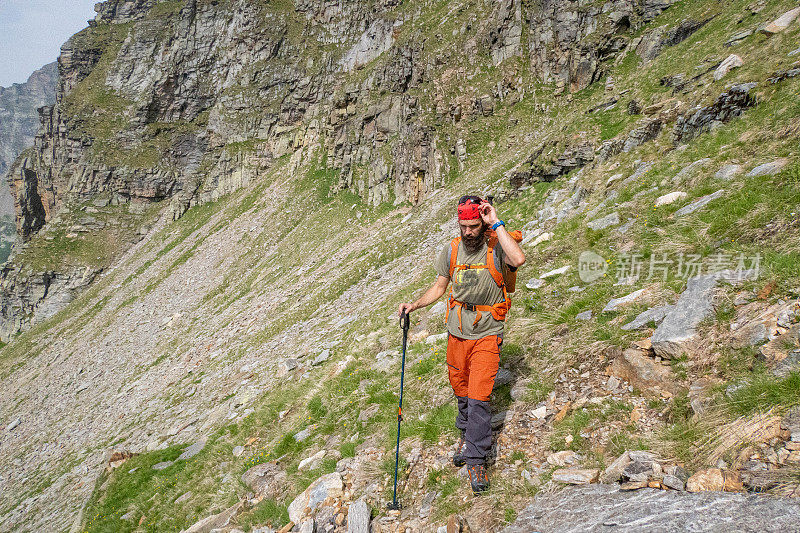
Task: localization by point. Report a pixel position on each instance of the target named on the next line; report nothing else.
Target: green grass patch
(763, 392)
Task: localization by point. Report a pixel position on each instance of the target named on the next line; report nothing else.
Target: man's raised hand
(488, 213)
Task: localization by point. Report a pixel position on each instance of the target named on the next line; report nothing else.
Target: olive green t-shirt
(475, 286)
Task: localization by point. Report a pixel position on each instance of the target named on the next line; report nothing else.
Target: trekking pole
(404, 324)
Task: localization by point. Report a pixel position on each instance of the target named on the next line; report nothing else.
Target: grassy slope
(348, 251)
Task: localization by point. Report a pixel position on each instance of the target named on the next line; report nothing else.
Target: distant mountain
(19, 120)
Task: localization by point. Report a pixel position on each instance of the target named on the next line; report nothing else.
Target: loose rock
(556, 272)
(768, 169)
(731, 62)
(728, 172)
(609, 220)
(327, 486)
(699, 203)
(616, 303)
(576, 476)
(215, 521)
(534, 284)
(670, 198)
(192, 450)
(780, 23)
(358, 517)
(641, 371)
(654, 314)
(710, 479)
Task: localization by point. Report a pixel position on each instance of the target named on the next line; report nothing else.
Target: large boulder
(731, 62)
(643, 372)
(328, 486)
(714, 479)
(677, 332)
(781, 23)
(598, 507)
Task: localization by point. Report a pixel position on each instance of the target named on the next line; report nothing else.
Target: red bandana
(469, 211)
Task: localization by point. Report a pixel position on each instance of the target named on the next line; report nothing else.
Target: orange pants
(472, 365)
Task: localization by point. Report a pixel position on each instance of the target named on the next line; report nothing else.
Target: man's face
(472, 233)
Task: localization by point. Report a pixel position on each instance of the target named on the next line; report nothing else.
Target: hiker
(481, 264)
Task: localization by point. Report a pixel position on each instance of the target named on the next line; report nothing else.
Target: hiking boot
(458, 458)
(478, 478)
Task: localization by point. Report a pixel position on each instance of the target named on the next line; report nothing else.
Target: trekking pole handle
(405, 321)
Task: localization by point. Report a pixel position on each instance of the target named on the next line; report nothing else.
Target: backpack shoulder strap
(496, 274)
(454, 254)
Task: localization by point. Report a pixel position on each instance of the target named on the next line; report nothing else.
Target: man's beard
(473, 244)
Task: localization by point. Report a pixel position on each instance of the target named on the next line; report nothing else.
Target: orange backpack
(507, 281)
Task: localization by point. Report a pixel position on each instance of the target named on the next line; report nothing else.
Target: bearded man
(477, 263)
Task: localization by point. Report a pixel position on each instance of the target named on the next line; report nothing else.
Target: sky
(32, 32)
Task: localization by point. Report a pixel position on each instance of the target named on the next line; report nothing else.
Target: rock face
(600, 507)
(558, 29)
(27, 298)
(180, 72)
(19, 121)
(645, 130)
(534, 169)
(654, 42)
(677, 331)
(728, 105)
(188, 101)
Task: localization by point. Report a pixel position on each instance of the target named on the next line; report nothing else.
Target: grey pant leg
(462, 416)
(479, 432)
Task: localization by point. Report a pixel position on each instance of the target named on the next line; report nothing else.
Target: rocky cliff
(19, 122)
(190, 100)
(228, 200)
(152, 105)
